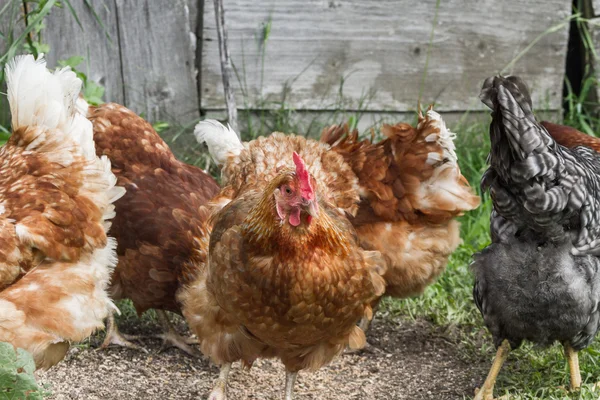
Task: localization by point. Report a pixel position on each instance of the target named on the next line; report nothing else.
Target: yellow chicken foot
(573, 360)
(487, 391)
(114, 337)
(171, 338)
(219, 391)
(290, 380)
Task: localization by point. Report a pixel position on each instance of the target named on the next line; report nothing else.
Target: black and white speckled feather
(534, 182)
(537, 293)
(539, 280)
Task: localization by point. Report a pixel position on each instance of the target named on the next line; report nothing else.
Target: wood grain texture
(158, 59)
(226, 66)
(98, 44)
(196, 24)
(194, 6)
(195, 9)
(11, 22)
(382, 45)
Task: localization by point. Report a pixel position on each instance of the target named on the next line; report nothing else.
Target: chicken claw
(171, 338)
(219, 391)
(114, 337)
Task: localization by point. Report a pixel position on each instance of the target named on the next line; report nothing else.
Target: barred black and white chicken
(539, 280)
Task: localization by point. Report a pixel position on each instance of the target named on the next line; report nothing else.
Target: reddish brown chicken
(55, 205)
(571, 137)
(286, 276)
(160, 221)
(411, 191)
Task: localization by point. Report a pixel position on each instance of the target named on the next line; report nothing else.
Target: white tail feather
(38, 97)
(445, 186)
(51, 101)
(445, 138)
(221, 141)
(82, 106)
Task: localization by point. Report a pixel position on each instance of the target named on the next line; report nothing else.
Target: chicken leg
(487, 391)
(573, 360)
(171, 338)
(219, 391)
(364, 324)
(290, 380)
(114, 337)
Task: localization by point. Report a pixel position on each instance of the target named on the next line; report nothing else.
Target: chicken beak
(312, 208)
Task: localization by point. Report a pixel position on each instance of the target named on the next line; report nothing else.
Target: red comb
(306, 189)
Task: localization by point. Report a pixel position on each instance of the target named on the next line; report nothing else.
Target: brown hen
(55, 202)
(286, 277)
(571, 137)
(411, 189)
(159, 222)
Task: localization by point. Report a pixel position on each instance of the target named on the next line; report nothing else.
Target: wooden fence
(160, 57)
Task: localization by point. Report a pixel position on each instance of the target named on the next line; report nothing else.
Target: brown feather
(55, 258)
(274, 290)
(411, 189)
(571, 137)
(161, 223)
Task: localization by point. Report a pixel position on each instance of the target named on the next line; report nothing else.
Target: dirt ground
(409, 360)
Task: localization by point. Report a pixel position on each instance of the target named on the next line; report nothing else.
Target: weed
(16, 375)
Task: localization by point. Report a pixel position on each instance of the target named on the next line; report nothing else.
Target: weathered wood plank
(196, 26)
(11, 24)
(97, 44)
(158, 59)
(226, 66)
(194, 7)
(382, 45)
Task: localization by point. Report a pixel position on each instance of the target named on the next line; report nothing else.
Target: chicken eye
(287, 190)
